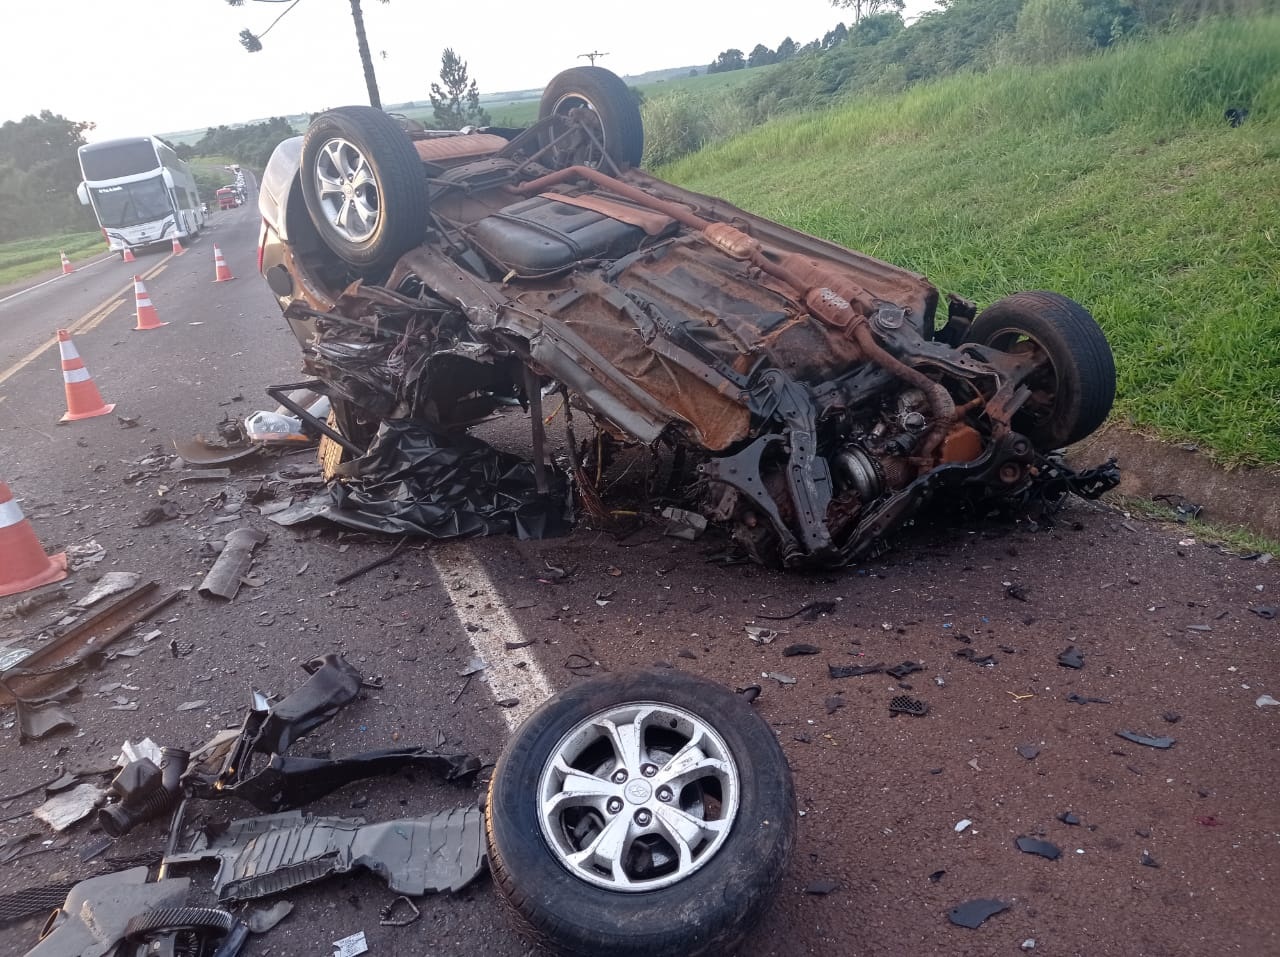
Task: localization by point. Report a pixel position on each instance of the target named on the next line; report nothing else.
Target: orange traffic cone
(84, 401)
(67, 269)
(148, 318)
(220, 271)
(23, 563)
(128, 256)
(177, 247)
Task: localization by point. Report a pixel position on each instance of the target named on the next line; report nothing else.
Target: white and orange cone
(148, 318)
(23, 563)
(84, 401)
(128, 256)
(67, 268)
(177, 247)
(221, 273)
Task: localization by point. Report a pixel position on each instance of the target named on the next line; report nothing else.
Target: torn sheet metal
(200, 451)
(63, 810)
(277, 852)
(36, 721)
(417, 481)
(97, 912)
(112, 583)
(223, 580)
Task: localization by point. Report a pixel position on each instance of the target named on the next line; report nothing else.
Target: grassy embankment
(1113, 179)
(30, 257)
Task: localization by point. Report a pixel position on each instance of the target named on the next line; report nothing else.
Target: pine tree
(457, 104)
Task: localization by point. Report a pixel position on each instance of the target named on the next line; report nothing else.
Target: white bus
(140, 191)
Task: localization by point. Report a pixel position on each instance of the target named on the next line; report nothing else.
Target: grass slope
(1113, 179)
(30, 257)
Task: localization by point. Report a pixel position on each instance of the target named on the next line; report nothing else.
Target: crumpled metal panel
(266, 855)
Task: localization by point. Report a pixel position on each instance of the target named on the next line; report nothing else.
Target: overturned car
(811, 396)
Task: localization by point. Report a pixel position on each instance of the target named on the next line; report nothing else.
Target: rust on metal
(84, 640)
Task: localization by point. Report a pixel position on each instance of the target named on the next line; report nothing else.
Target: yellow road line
(96, 321)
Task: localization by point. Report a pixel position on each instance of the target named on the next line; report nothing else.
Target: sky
(164, 66)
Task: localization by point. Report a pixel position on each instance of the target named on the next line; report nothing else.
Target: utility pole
(591, 56)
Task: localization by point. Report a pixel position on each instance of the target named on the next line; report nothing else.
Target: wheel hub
(637, 791)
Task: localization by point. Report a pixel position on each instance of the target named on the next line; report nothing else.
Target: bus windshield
(131, 203)
(118, 158)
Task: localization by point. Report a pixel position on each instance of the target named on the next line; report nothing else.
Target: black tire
(387, 212)
(706, 911)
(609, 98)
(1077, 385)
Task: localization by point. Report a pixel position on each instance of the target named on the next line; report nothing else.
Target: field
(30, 257)
(1114, 179)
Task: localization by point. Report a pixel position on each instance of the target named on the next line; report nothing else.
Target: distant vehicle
(228, 197)
(140, 191)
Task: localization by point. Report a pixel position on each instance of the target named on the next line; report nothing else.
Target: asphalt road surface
(1178, 638)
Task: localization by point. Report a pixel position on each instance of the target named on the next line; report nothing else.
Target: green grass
(1113, 179)
(30, 257)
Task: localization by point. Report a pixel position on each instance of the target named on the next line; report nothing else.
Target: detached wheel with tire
(599, 111)
(364, 187)
(1075, 382)
(646, 814)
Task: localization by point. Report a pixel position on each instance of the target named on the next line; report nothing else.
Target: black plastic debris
(902, 704)
(904, 669)
(1082, 699)
(419, 482)
(333, 685)
(1028, 751)
(973, 913)
(800, 648)
(271, 854)
(1017, 592)
(833, 704)
(969, 654)
(1071, 658)
(1146, 739)
(811, 611)
(1172, 717)
(750, 692)
(822, 887)
(1265, 612)
(1066, 817)
(1146, 860)
(937, 876)
(853, 671)
(1045, 849)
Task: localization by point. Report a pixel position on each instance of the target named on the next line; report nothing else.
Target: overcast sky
(160, 66)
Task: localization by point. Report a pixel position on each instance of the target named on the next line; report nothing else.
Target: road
(1167, 627)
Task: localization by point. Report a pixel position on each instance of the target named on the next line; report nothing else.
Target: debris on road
(853, 671)
(1075, 698)
(972, 913)
(1146, 739)
(274, 853)
(263, 919)
(112, 583)
(63, 810)
(902, 704)
(761, 635)
(904, 669)
(351, 946)
(1045, 849)
(778, 676)
(1266, 701)
(1071, 658)
(1066, 817)
(811, 611)
(820, 888)
(387, 914)
(232, 564)
(684, 524)
(800, 648)
(1028, 751)
(961, 825)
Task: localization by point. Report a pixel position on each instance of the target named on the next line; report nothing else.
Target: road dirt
(1172, 633)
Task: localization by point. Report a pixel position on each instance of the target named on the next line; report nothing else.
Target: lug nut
(664, 794)
(643, 817)
(649, 770)
(614, 805)
(619, 776)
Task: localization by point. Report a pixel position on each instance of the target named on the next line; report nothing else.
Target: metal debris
(778, 676)
(761, 635)
(63, 810)
(223, 580)
(112, 583)
(1146, 739)
(387, 914)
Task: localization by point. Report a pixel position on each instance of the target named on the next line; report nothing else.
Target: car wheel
(597, 102)
(1075, 385)
(648, 813)
(364, 187)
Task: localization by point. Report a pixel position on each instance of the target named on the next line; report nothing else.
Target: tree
(869, 8)
(728, 60)
(761, 55)
(835, 37)
(457, 104)
(786, 50)
(39, 170)
(252, 42)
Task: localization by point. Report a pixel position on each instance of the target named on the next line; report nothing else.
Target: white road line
(23, 292)
(484, 617)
